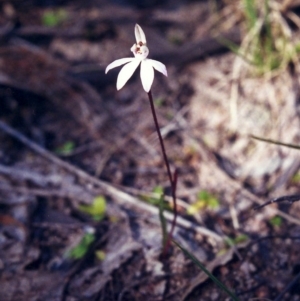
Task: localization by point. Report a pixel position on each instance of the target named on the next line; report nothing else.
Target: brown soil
(54, 94)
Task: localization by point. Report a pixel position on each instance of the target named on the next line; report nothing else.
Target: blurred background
(81, 171)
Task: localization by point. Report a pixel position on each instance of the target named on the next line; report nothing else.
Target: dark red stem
(173, 180)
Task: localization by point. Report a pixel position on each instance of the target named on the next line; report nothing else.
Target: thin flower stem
(173, 180)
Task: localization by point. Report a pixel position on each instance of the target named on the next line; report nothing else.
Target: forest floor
(81, 167)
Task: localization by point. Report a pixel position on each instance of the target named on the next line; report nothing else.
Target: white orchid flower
(140, 51)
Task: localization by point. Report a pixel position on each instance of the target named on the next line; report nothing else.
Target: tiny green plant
(100, 255)
(205, 200)
(236, 240)
(66, 149)
(159, 201)
(52, 18)
(81, 249)
(159, 101)
(155, 198)
(276, 221)
(250, 12)
(296, 178)
(97, 209)
(162, 219)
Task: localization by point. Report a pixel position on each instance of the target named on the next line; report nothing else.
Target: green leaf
(241, 238)
(66, 148)
(209, 274)
(52, 18)
(237, 240)
(276, 221)
(80, 250)
(296, 178)
(97, 209)
(250, 13)
(204, 200)
(159, 101)
(158, 190)
(163, 222)
(100, 255)
(297, 48)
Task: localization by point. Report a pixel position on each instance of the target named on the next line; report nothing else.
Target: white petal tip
(119, 85)
(147, 89)
(163, 70)
(160, 67)
(107, 68)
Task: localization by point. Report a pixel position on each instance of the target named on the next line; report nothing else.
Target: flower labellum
(140, 52)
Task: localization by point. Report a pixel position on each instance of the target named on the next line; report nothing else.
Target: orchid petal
(147, 75)
(126, 72)
(139, 34)
(118, 63)
(158, 66)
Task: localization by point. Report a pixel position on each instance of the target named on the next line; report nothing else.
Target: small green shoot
(158, 200)
(209, 274)
(158, 190)
(53, 18)
(80, 250)
(297, 48)
(276, 221)
(296, 178)
(66, 149)
(250, 13)
(159, 101)
(97, 209)
(231, 242)
(163, 221)
(190, 150)
(155, 200)
(100, 255)
(241, 238)
(204, 200)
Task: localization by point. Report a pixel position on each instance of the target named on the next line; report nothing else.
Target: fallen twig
(120, 196)
(288, 198)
